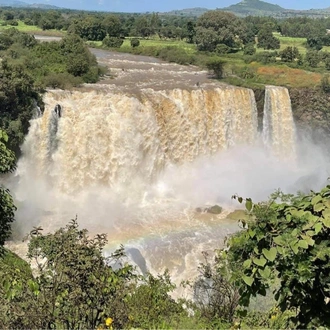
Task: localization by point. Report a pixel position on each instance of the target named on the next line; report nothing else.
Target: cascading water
(279, 134)
(136, 166)
(108, 139)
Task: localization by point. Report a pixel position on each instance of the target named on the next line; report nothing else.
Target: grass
(22, 27)
(191, 48)
(32, 29)
(295, 42)
(283, 75)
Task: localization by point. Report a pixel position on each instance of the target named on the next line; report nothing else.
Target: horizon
(141, 6)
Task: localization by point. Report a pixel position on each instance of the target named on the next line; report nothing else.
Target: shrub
(135, 42)
(249, 49)
(12, 23)
(286, 238)
(216, 65)
(176, 55)
(112, 42)
(214, 295)
(327, 63)
(325, 84)
(312, 58)
(266, 57)
(289, 54)
(61, 80)
(222, 49)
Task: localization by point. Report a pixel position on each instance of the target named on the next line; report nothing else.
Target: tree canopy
(218, 27)
(7, 207)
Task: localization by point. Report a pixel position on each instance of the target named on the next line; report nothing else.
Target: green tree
(289, 54)
(18, 98)
(314, 42)
(112, 25)
(266, 40)
(142, 27)
(218, 27)
(312, 58)
(79, 60)
(191, 32)
(287, 238)
(7, 207)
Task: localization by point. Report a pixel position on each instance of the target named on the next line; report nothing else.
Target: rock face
(215, 209)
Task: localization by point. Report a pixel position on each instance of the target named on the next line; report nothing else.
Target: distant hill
(43, 6)
(254, 7)
(13, 3)
(188, 12)
(22, 4)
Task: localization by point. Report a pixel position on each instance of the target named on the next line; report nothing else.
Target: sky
(167, 5)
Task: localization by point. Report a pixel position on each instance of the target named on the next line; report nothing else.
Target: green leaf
(288, 217)
(294, 232)
(247, 263)
(248, 204)
(308, 239)
(294, 247)
(278, 240)
(265, 273)
(260, 262)
(240, 200)
(316, 199)
(326, 216)
(326, 222)
(252, 233)
(248, 280)
(270, 254)
(303, 244)
(318, 227)
(310, 233)
(318, 207)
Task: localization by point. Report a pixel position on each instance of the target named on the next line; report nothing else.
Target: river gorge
(134, 156)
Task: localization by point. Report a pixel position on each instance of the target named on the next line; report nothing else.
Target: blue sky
(167, 5)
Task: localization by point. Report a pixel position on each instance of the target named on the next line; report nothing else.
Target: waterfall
(279, 134)
(96, 138)
(135, 166)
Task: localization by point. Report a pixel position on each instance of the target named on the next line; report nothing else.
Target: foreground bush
(288, 240)
(77, 287)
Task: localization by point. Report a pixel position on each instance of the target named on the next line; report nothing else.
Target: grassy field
(21, 27)
(295, 42)
(191, 48)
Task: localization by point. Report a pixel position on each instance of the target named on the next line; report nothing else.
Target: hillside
(188, 12)
(13, 3)
(22, 4)
(254, 7)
